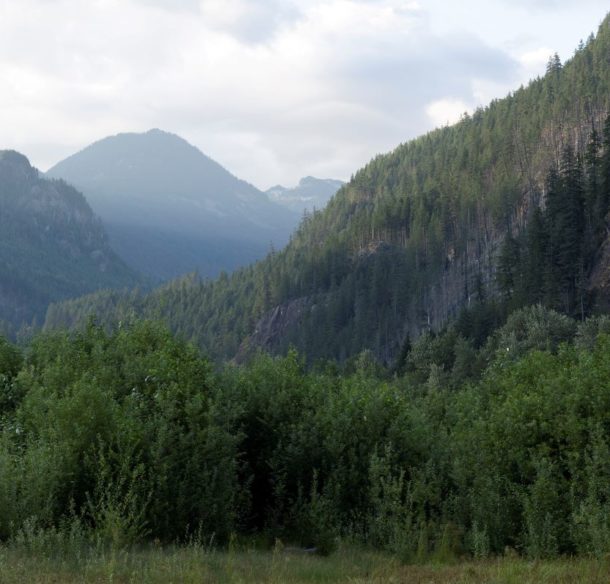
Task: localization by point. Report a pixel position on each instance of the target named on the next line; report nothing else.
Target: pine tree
(554, 64)
(593, 203)
(603, 202)
(553, 207)
(536, 262)
(401, 362)
(553, 69)
(565, 213)
(509, 272)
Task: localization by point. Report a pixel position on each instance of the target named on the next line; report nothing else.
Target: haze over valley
(170, 210)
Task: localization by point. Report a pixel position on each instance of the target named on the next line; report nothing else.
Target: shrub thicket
(132, 436)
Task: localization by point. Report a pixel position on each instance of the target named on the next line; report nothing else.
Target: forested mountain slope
(169, 209)
(51, 245)
(421, 232)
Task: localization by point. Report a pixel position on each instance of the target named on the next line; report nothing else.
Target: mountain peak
(308, 180)
(156, 182)
(16, 163)
(310, 193)
(14, 158)
(161, 134)
(154, 135)
(51, 246)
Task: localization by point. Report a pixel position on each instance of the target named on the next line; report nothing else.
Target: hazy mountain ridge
(410, 241)
(156, 182)
(52, 246)
(310, 194)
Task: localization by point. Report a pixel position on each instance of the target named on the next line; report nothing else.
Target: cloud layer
(272, 89)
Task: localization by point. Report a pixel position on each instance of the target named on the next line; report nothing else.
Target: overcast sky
(272, 89)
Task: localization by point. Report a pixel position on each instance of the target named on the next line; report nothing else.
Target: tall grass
(38, 557)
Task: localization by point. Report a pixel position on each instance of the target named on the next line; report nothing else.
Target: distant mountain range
(311, 193)
(51, 244)
(169, 209)
(159, 208)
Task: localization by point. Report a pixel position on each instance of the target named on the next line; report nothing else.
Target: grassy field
(353, 566)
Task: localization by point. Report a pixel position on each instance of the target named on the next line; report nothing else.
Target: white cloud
(536, 58)
(249, 21)
(446, 111)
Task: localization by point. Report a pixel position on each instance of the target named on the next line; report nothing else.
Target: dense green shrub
(130, 435)
(122, 429)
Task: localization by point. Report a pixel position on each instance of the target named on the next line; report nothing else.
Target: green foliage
(534, 327)
(10, 359)
(120, 427)
(10, 364)
(551, 262)
(545, 524)
(131, 436)
(118, 504)
(592, 515)
(392, 524)
(589, 331)
(315, 521)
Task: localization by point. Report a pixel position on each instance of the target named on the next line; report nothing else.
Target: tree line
(550, 261)
(464, 447)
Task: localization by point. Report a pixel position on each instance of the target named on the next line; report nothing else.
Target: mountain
(52, 246)
(511, 198)
(311, 193)
(169, 209)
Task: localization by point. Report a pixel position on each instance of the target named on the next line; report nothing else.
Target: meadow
(351, 565)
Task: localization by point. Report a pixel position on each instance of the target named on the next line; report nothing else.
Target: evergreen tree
(401, 361)
(593, 199)
(509, 271)
(566, 220)
(553, 210)
(571, 247)
(536, 263)
(603, 201)
(553, 65)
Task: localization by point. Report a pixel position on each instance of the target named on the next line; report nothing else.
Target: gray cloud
(248, 21)
(405, 71)
(172, 5)
(542, 4)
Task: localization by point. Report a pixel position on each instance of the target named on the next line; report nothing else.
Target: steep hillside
(412, 239)
(169, 209)
(51, 245)
(310, 194)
